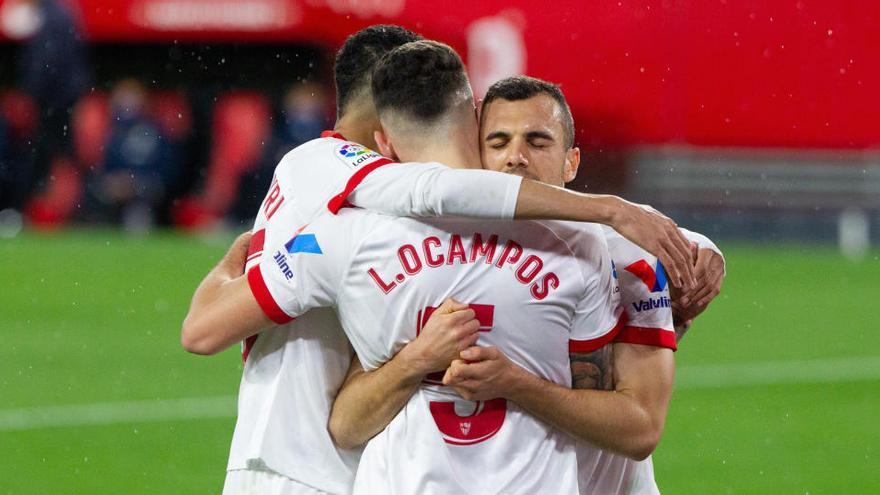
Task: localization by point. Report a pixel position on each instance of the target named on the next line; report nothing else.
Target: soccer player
(527, 130)
(385, 275)
(299, 366)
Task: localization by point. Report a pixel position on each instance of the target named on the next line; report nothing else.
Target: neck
(452, 146)
(358, 124)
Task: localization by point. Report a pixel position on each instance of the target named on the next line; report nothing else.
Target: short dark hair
(358, 56)
(419, 79)
(518, 88)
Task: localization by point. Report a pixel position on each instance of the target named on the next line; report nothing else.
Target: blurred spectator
(303, 118)
(139, 164)
(55, 72)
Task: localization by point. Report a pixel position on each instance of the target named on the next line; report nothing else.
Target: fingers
(710, 272)
(454, 372)
(714, 289)
(680, 248)
(238, 252)
(676, 269)
(480, 353)
(467, 341)
(450, 306)
(461, 316)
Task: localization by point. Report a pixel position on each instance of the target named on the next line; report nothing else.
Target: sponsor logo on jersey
(281, 260)
(303, 243)
(354, 155)
(651, 303)
(653, 278)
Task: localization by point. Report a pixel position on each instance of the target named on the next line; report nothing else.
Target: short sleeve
(300, 268)
(644, 294)
(598, 317)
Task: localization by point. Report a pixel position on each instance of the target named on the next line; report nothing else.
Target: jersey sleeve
(430, 190)
(300, 268)
(644, 295)
(597, 319)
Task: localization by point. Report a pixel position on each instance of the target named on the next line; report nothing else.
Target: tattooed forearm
(592, 370)
(681, 328)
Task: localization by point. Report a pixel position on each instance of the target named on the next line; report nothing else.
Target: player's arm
(425, 189)
(229, 307)
(368, 401)
(223, 310)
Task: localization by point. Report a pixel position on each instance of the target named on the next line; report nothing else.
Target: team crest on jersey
(354, 155)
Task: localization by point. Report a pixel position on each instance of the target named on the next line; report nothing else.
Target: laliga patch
(355, 155)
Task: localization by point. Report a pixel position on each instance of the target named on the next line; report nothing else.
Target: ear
(572, 162)
(384, 144)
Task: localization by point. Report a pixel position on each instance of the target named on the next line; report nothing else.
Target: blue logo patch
(304, 243)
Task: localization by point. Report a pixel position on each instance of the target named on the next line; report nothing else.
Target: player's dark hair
(518, 88)
(358, 56)
(421, 80)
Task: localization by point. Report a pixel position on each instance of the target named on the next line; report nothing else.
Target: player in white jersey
(294, 370)
(523, 124)
(384, 275)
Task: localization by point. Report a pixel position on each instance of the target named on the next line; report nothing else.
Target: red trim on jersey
(256, 247)
(584, 346)
(339, 200)
(264, 297)
(333, 134)
(657, 337)
(248, 345)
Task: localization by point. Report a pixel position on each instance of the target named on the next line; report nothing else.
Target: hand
(659, 235)
(709, 270)
(236, 258)
(452, 328)
(483, 373)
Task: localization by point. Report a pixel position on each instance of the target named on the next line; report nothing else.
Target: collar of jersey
(333, 134)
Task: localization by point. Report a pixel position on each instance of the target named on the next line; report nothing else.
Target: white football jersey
(540, 289)
(293, 371)
(644, 294)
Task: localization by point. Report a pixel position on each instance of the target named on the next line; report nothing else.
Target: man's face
(527, 138)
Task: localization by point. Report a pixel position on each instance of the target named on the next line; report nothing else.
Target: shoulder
(623, 251)
(328, 154)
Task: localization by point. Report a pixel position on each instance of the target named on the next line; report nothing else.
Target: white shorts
(254, 482)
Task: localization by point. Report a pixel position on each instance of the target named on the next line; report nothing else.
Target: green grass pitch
(94, 317)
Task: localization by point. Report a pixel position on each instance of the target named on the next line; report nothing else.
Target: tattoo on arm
(681, 328)
(592, 370)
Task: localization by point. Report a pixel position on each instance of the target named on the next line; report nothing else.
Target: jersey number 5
(466, 422)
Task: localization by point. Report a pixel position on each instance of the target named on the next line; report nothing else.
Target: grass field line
(778, 372)
(687, 377)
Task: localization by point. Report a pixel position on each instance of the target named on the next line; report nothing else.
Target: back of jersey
(538, 289)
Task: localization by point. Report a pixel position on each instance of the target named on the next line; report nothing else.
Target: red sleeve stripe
(583, 346)
(657, 337)
(338, 201)
(264, 297)
(258, 240)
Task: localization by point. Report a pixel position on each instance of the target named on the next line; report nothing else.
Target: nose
(517, 156)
